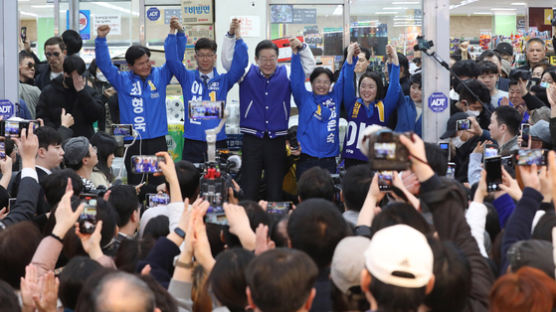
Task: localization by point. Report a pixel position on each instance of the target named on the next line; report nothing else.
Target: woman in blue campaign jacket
(410, 110)
(319, 111)
(370, 108)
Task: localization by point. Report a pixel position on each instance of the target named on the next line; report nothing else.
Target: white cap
(400, 249)
(348, 261)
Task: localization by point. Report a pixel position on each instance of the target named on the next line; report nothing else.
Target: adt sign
(153, 14)
(6, 109)
(438, 102)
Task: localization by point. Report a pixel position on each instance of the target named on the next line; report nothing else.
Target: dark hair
(466, 68)
(8, 299)
(163, 299)
(539, 40)
(355, 186)
(93, 68)
(73, 277)
(124, 200)
(488, 54)
(188, 178)
(478, 88)
(10, 145)
(401, 213)
(227, 278)
(436, 158)
(256, 216)
(277, 235)
(17, 247)
(487, 67)
(55, 41)
(205, 43)
(131, 251)
(281, 280)
(452, 278)
(132, 284)
(416, 79)
(106, 145)
(134, 52)
(48, 136)
(380, 90)
(316, 227)
(551, 71)
(395, 298)
(54, 185)
(157, 227)
(265, 44)
(354, 300)
(319, 71)
(74, 62)
(315, 183)
(543, 229)
(86, 299)
(510, 117)
(73, 41)
(404, 63)
(367, 53)
(24, 54)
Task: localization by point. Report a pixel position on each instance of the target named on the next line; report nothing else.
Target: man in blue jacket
(203, 84)
(141, 98)
(264, 105)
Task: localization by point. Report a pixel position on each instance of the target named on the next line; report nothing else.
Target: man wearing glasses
(204, 84)
(264, 105)
(55, 52)
(27, 89)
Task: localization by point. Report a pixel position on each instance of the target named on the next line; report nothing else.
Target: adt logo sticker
(6, 109)
(153, 14)
(438, 102)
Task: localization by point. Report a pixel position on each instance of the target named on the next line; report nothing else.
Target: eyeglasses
(49, 54)
(31, 65)
(205, 56)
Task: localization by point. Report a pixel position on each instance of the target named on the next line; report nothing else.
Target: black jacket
(42, 78)
(26, 203)
(85, 106)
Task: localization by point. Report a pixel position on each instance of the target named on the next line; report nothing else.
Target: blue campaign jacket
(265, 103)
(407, 115)
(318, 127)
(142, 102)
(378, 113)
(193, 87)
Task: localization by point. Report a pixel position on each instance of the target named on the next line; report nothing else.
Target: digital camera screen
(385, 150)
(11, 128)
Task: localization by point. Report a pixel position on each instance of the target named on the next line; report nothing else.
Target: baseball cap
(75, 149)
(400, 255)
(541, 130)
(535, 253)
(451, 126)
(504, 48)
(348, 261)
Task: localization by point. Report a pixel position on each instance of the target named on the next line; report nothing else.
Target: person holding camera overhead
(319, 110)
(141, 97)
(371, 108)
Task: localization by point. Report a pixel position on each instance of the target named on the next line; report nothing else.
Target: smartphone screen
(463, 124)
(451, 170)
(490, 151)
(11, 204)
(493, 168)
(445, 147)
(532, 157)
(145, 163)
(121, 130)
(88, 218)
(278, 208)
(154, 200)
(2, 150)
(24, 33)
(385, 180)
(525, 134)
(206, 109)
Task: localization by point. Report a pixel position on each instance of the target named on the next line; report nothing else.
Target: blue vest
(264, 103)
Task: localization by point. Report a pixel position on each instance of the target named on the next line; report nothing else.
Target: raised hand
(102, 31)
(295, 44)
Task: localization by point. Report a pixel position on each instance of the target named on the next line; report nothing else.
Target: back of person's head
(8, 299)
(135, 52)
(72, 278)
(17, 246)
(279, 231)
(120, 291)
(55, 41)
(319, 71)
(436, 158)
(399, 268)
(48, 136)
(227, 278)
(86, 299)
(106, 145)
(452, 278)
(74, 63)
(510, 117)
(377, 78)
(73, 41)
(265, 44)
(533, 253)
(164, 301)
(256, 215)
(205, 43)
(131, 251)
(157, 227)
(401, 213)
(345, 274)
(281, 280)
(466, 69)
(528, 289)
(477, 87)
(315, 183)
(404, 63)
(315, 227)
(54, 185)
(124, 200)
(188, 178)
(355, 186)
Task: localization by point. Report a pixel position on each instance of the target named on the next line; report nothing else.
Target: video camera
(214, 185)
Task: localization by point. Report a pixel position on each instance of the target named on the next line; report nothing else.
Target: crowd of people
(310, 225)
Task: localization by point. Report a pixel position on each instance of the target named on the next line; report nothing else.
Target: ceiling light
(482, 13)
(338, 10)
(43, 6)
(117, 8)
(502, 9)
(519, 3)
(404, 3)
(386, 13)
(28, 14)
(395, 8)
